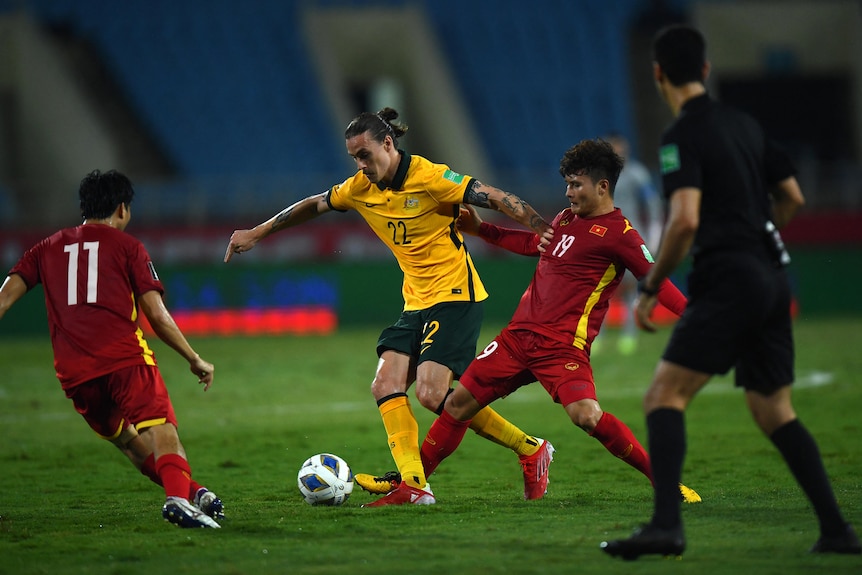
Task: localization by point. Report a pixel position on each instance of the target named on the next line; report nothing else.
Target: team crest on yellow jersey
(411, 203)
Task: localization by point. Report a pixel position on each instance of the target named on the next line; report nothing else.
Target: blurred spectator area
(225, 112)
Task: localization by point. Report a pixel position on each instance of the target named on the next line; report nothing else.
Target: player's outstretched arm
(153, 306)
(486, 196)
(300, 212)
(12, 290)
(522, 242)
(667, 294)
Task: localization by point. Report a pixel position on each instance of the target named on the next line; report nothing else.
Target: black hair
(101, 193)
(680, 50)
(594, 158)
(378, 126)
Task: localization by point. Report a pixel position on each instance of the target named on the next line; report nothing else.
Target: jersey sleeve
(670, 297)
(142, 272)
(447, 186)
(339, 196)
(516, 241)
(28, 267)
(680, 164)
(638, 260)
(778, 165)
(633, 252)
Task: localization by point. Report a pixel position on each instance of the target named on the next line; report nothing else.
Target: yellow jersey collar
(400, 173)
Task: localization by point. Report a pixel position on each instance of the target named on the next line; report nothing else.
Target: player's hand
(240, 241)
(643, 308)
(469, 220)
(204, 371)
(545, 240)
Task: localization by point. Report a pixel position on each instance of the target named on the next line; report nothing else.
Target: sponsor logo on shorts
(572, 366)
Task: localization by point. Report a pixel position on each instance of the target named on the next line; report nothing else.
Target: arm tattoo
(537, 222)
(514, 203)
(282, 218)
(476, 198)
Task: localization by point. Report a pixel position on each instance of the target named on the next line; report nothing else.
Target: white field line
(529, 394)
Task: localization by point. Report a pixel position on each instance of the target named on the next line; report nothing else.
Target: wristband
(643, 289)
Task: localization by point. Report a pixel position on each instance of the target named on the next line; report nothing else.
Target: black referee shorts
(738, 316)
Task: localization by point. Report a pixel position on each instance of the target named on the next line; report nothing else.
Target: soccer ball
(325, 479)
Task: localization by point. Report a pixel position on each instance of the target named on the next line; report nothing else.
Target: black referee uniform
(719, 162)
(738, 314)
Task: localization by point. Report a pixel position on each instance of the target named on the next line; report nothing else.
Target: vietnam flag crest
(598, 230)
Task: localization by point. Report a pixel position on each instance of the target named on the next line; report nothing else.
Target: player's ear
(604, 186)
(122, 213)
(657, 73)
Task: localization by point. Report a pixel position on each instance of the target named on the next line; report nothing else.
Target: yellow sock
(403, 433)
(491, 425)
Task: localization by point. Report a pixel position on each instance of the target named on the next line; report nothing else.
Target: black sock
(666, 429)
(800, 451)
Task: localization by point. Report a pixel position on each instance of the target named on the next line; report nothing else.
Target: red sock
(175, 474)
(193, 489)
(443, 438)
(619, 440)
(149, 469)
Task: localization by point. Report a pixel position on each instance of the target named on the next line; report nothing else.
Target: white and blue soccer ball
(325, 479)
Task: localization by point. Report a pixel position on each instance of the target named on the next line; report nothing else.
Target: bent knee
(384, 387)
(461, 404)
(431, 397)
(585, 414)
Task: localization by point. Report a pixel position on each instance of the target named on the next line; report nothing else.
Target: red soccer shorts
(518, 357)
(135, 395)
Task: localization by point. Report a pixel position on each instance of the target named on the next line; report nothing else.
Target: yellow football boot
(380, 484)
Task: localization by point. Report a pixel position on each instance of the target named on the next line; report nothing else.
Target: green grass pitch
(70, 503)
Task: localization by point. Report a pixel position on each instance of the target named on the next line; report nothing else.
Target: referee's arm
(787, 199)
(679, 231)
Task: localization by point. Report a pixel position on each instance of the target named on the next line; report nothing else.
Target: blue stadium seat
(228, 88)
(538, 79)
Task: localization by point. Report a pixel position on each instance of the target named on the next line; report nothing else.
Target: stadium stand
(225, 89)
(229, 92)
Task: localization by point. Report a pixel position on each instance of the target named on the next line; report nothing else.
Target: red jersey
(92, 276)
(577, 275)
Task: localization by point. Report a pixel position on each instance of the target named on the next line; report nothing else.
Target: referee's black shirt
(724, 153)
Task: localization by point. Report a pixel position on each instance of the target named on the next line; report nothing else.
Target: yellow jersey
(415, 217)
